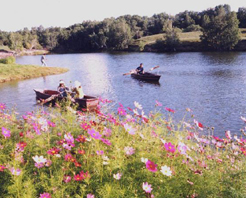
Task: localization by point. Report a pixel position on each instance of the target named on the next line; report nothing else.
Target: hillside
(190, 41)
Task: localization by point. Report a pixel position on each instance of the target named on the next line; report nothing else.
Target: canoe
(87, 103)
(146, 77)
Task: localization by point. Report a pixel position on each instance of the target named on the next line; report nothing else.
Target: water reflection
(221, 58)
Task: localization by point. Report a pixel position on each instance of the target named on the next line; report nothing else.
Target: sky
(19, 14)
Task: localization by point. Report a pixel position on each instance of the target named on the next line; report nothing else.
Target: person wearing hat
(62, 89)
(140, 69)
(79, 93)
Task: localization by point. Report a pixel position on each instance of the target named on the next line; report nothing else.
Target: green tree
(119, 35)
(241, 15)
(220, 30)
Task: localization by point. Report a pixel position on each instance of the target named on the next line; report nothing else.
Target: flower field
(63, 153)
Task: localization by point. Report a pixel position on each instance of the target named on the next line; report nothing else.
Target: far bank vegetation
(214, 29)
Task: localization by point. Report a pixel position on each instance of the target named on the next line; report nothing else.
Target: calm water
(212, 85)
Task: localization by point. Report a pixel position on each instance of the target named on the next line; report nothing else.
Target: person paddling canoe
(140, 69)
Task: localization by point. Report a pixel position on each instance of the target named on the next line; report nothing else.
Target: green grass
(183, 36)
(10, 72)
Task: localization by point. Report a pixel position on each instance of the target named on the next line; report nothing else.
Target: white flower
(144, 160)
(105, 158)
(117, 176)
(135, 111)
(166, 171)
(137, 105)
(40, 159)
(163, 141)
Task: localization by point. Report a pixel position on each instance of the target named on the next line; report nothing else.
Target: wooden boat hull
(88, 103)
(146, 77)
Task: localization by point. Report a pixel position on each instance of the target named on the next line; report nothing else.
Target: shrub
(8, 60)
(193, 28)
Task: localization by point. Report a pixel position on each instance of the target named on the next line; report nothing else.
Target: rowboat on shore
(146, 77)
(87, 103)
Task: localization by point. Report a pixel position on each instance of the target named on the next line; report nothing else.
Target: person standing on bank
(43, 58)
(140, 69)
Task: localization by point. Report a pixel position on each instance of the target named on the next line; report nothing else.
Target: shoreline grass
(9, 72)
(66, 153)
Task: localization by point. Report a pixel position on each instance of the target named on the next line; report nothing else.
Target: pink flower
(129, 150)
(107, 132)
(6, 133)
(151, 166)
(182, 148)
(147, 187)
(117, 176)
(94, 134)
(170, 110)
(169, 147)
(90, 196)
(15, 171)
(100, 152)
(66, 178)
(158, 103)
(69, 138)
(105, 141)
(129, 129)
(45, 195)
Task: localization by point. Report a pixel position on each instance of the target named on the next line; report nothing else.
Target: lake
(211, 84)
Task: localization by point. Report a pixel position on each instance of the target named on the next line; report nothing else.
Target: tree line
(219, 27)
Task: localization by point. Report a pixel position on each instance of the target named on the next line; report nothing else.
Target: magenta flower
(2, 106)
(151, 166)
(170, 110)
(67, 178)
(105, 141)
(2, 168)
(169, 147)
(6, 133)
(85, 126)
(45, 195)
(147, 187)
(121, 111)
(81, 138)
(94, 134)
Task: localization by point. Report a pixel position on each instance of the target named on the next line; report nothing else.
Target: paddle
(132, 71)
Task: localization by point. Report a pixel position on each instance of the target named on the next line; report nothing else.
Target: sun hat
(62, 82)
(77, 83)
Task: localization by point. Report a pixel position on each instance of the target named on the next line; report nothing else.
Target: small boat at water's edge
(146, 77)
(88, 103)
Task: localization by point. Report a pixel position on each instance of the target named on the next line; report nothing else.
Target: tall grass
(69, 153)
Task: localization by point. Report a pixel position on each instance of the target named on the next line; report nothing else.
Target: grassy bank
(63, 153)
(10, 72)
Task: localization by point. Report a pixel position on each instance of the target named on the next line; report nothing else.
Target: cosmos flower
(151, 166)
(165, 170)
(6, 133)
(147, 187)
